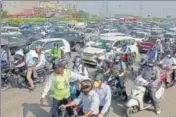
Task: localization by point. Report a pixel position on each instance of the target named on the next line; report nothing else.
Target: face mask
(97, 84)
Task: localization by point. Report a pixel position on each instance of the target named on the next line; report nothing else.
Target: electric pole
(140, 9)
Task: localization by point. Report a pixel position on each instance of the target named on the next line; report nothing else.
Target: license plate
(86, 58)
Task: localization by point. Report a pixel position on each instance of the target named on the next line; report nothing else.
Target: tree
(82, 14)
(4, 13)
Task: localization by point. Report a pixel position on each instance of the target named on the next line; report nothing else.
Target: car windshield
(140, 35)
(102, 43)
(35, 43)
(168, 36)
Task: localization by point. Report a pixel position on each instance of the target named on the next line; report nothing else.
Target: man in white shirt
(104, 93)
(41, 60)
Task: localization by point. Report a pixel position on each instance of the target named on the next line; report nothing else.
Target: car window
(60, 43)
(117, 44)
(130, 41)
(48, 45)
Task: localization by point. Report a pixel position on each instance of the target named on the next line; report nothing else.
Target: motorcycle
(163, 75)
(5, 81)
(21, 80)
(139, 96)
(116, 90)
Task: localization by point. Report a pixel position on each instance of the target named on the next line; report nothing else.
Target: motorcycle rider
(151, 54)
(124, 51)
(4, 57)
(167, 63)
(59, 82)
(152, 74)
(57, 52)
(31, 62)
(89, 98)
(159, 48)
(119, 71)
(79, 68)
(104, 93)
(41, 60)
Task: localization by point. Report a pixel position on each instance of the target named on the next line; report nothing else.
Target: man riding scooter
(152, 75)
(88, 98)
(119, 71)
(159, 49)
(104, 92)
(167, 63)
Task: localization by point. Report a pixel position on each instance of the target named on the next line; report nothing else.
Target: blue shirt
(4, 55)
(30, 58)
(104, 93)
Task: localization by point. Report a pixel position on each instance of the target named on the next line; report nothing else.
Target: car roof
(9, 27)
(112, 34)
(115, 38)
(50, 39)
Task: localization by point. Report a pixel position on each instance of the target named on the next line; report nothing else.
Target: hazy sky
(153, 8)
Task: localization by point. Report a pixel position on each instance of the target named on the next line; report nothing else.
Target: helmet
(124, 43)
(77, 60)
(99, 77)
(26, 50)
(169, 55)
(60, 63)
(108, 48)
(151, 63)
(38, 49)
(117, 59)
(158, 40)
(86, 84)
(56, 45)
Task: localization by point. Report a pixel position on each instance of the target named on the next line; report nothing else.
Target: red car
(144, 46)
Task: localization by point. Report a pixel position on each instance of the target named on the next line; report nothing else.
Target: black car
(16, 42)
(75, 40)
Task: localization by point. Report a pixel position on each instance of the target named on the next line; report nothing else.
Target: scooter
(139, 96)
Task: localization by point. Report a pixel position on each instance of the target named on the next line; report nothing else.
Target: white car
(47, 44)
(97, 50)
(105, 35)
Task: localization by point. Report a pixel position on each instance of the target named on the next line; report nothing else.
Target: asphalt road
(22, 103)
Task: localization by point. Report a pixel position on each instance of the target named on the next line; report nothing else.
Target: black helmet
(151, 63)
(26, 50)
(86, 84)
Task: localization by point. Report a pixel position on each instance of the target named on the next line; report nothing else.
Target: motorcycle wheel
(5, 87)
(131, 110)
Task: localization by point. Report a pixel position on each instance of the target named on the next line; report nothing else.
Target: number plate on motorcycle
(86, 58)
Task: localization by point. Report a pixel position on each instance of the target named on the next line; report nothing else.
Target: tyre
(131, 110)
(77, 47)
(5, 87)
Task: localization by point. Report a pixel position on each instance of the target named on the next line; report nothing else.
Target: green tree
(4, 13)
(82, 14)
